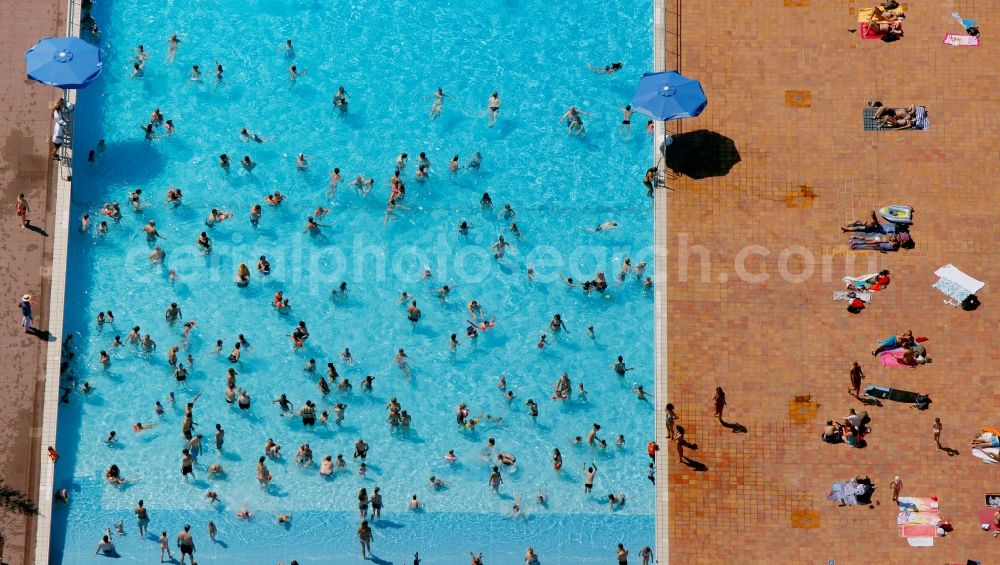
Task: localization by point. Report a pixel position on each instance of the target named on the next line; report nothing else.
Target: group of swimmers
(397, 417)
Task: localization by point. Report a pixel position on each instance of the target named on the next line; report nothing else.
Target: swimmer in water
(438, 103)
(475, 162)
(500, 247)
(557, 324)
(626, 129)
(340, 100)
(604, 227)
(172, 42)
(606, 70)
(401, 358)
(493, 107)
(335, 179)
(576, 126)
(300, 162)
(246, 135)
(294, 72)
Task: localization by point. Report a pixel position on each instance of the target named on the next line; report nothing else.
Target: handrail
(73, 10)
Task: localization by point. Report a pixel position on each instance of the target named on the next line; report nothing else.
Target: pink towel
(893, 358)
(870, 32)
(918, 531)
(959, 40)
(986, 517)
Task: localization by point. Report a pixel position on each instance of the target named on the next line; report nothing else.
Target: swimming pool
(390, 57)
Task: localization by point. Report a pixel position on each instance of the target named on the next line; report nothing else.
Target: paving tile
(787, 82)
(25, 124)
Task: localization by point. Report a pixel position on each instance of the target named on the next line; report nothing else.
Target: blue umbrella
(669, 95)
(66, 62)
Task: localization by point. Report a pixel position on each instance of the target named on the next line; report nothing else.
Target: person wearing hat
(26, 312)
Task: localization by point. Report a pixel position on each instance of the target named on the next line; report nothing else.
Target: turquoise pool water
(390, 57)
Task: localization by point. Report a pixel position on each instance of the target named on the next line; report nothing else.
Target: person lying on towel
(893, 342)
(887, 23)
(914, 355)
(899, 113)
(891, 122)
(980, 443)
(883, 243)
(871, 226)
(889, 242)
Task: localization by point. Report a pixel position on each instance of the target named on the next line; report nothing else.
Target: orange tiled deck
(787, 82)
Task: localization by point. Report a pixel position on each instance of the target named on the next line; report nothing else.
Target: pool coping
(57, 299)
(661, 59)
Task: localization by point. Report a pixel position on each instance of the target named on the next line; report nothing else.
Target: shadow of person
(701, 154)
(697, 466)
(868, 401)
(736, 427)
(37, 229)
(41, 334)
(950, 451)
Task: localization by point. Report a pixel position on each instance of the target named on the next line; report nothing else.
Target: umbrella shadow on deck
(701, 154)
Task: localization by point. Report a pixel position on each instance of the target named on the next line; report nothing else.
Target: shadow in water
(701, 154)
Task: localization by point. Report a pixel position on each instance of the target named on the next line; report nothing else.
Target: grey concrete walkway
(25, 254)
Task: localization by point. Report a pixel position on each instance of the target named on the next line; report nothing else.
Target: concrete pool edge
(57, 299)
(662, 60)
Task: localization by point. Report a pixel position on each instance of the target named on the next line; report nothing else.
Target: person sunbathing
(871, 225)
(980, 443)
(888, 24)
(899, 113)
(891, 122)
(887, 238)
(894, 342)
(883, 243)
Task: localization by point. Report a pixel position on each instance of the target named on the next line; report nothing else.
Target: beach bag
(970, 303)
(855, 306)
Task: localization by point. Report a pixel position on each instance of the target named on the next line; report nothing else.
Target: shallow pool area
(390, 57)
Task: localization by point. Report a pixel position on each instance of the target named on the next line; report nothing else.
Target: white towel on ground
(963, 280)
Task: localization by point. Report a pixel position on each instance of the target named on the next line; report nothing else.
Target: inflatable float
(897, 214)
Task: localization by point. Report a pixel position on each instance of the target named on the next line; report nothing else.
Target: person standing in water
(627, 122)
(494, 108)
(365, 537)
(186, 544)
